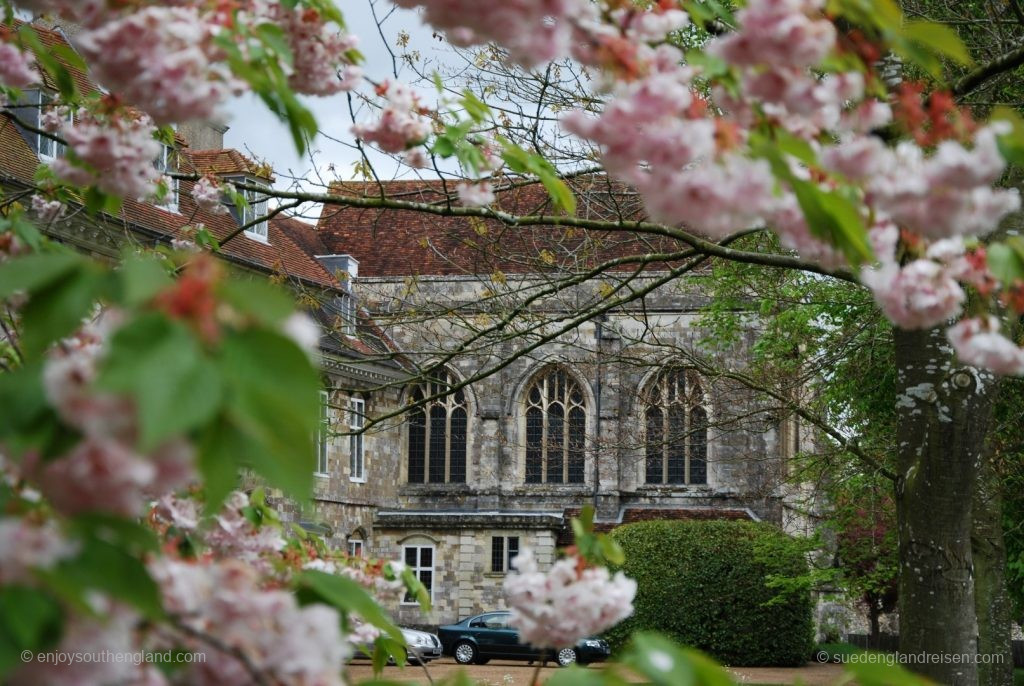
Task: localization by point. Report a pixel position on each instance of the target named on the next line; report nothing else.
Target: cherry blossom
(28, 546)
(979, 342)
(571, 601)
(48, 211)
(207, 194)
(233, 535)
(289, 644)
(919, 295)
(320, 61)
(110, 628)
(159, 58)
(16, 69)
(784, 33)
(532, 31)
(475, 194)
(115, 154)
(400, 124)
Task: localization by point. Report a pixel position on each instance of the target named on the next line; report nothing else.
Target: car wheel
(482, 660)
(465, 653)
(566, 657)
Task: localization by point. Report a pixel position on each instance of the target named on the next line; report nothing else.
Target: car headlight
(592, 643)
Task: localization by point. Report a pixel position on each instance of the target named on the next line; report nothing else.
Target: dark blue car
(477, 639)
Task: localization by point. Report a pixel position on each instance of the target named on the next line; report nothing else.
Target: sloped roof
(227, 162)
(389, 242)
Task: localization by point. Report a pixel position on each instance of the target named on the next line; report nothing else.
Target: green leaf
(35, 271)
(30, 619)
(140, 279)
(274, 37)
(707, 11)
(664, 663)
(524, 162)
(274, 403)
(221, 453)
(59, 308)
(347, 596)
(416, 589)
(477, 110)
(1011, 145)
(833, 218)
(443, 146)
(265, 302)
(386, 648)
(939, 39)
(1005, 263)
(23, 399)
(160, 363)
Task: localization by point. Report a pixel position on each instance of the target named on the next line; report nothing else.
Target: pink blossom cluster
(107, 629)
(231, 534)
(320, 50)
(400, 124)
(476, 194)
(115, 154)
(287, 644)
(48, 211)
(103, 472)
(571, 601)
(16, 68)
(978, 341)
(784, 33)
(28, 546)
(918, 295)
(207, 194)
(160, 58)
(532, 31)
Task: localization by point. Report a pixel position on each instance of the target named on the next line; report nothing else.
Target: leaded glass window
(437, 433)
(556, 424)
(676, 423)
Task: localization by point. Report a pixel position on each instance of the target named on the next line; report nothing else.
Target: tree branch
(1000, 65)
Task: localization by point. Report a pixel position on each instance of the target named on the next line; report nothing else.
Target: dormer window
(167, 163)
(48, 149)
(254, 209)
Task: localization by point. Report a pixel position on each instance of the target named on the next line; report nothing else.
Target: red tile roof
(390, 242)
(227, 162)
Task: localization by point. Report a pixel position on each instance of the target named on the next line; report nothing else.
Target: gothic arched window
(677, 429)
(556, 429)
(437, 434)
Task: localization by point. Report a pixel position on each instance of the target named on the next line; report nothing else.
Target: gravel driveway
(510, 673)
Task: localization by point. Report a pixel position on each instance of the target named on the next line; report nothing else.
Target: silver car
(421, 646)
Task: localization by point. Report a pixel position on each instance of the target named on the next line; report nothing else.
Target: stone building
(530, 397)
(612, 410)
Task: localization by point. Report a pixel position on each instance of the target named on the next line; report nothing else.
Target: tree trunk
(943, 412)
(991, 597)
(873, 614)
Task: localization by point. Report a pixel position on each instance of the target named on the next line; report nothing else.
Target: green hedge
(703, 584)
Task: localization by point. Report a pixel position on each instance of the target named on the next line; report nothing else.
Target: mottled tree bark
(991, 597)
(944, 412)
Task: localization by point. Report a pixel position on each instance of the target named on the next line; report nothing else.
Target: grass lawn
(1018, 677)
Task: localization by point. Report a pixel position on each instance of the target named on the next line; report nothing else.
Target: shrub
(704, 584)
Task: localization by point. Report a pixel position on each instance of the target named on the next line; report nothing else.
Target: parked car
(478, 639)
(421, 646)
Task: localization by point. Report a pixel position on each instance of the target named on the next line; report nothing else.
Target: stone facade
(611, 365)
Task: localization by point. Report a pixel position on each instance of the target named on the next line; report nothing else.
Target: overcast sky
(255, 130)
